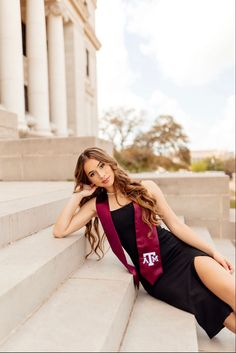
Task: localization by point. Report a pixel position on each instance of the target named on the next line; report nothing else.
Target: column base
(61, 134)
(58, 133)
(40, 133)
(23, 129)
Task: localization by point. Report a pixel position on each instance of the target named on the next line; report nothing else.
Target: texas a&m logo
(149, 258)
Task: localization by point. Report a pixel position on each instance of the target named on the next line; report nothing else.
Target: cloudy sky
(173, 57)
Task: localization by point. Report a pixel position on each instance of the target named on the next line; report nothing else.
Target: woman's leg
(230, 322)
(218, 281)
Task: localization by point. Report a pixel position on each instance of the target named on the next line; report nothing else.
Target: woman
(183, 271)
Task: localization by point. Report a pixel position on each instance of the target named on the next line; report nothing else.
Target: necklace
(111, 193)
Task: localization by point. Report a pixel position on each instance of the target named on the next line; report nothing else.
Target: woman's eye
(92, 174)
(102, 165)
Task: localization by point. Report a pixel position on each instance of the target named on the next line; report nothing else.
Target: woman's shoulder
(90, 204)
(152, 187)
(148, 183)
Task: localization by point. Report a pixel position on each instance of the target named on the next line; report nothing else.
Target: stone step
(31, 269)
(155, 326)
(181, 218)
(229, 227)
(232, 215)
(88, 313)
(26, 215)
(204, 234)
(14, 190)
(225, 340)
(227, 248)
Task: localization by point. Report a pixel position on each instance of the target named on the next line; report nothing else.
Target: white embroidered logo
(149, 258)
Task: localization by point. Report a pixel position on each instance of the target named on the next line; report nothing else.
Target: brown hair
(134, 190)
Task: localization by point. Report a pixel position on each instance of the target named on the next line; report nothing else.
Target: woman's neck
(111, 193)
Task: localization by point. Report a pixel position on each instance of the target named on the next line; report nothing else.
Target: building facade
(48, 68)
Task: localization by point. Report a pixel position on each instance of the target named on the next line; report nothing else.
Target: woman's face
(99, 173)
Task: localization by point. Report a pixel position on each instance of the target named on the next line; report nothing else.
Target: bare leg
(218, 281)
(230, 322)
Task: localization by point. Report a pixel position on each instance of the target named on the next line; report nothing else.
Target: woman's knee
(230, 322)
(215, 278)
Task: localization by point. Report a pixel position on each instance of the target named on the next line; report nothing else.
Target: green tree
(209, 163)
(136, 159)
(199, 166)
(229, 166)
(166, 136)
(164, 144)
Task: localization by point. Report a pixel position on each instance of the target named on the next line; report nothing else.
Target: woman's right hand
(85, 190)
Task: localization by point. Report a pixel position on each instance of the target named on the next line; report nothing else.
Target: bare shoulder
(151, 186)
(90, 205)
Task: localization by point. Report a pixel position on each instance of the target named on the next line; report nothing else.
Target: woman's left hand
(223, 262)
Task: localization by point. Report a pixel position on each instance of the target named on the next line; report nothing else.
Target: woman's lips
(106, 180)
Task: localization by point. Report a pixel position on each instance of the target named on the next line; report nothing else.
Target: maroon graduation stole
(148, 248)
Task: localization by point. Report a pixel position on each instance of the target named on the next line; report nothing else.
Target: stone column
(36, 47)
(94, 106)
(11, 61)
(57, 74)
(79, 63)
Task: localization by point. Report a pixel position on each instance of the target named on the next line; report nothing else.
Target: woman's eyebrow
(91, 171)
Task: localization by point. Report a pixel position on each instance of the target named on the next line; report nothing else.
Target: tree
(163, 145)
(230, 166)
(136, 159)
(165, 136)
(119, 125)
(199, 166)
(167, 139)
(184, 156)
(213, 163)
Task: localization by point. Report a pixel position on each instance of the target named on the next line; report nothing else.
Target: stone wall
(44, 158)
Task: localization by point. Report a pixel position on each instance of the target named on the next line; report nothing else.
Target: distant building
(221, 154)
(48, 68)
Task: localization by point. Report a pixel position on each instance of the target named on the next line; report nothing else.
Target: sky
(171, 57)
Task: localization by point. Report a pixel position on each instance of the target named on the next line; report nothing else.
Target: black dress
(179, 285)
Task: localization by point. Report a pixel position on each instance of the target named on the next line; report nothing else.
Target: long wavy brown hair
(133, 190)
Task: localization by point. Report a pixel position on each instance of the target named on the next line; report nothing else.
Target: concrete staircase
(52, 300)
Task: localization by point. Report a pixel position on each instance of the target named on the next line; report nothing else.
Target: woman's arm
(181, 230)
(69, 220)
(178, 228)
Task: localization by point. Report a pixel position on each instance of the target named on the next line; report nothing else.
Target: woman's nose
(101, 174)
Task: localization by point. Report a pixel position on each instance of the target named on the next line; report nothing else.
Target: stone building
(48, 68)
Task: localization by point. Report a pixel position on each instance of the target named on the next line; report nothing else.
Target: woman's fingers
(86, 189)
(223, 262)
(230, 267)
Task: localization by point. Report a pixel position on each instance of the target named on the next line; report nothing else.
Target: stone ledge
(8, 125)
(44, 158)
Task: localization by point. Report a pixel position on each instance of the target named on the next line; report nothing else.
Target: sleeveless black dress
(179, 285)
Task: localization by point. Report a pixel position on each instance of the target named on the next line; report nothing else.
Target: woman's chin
(108, 185)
